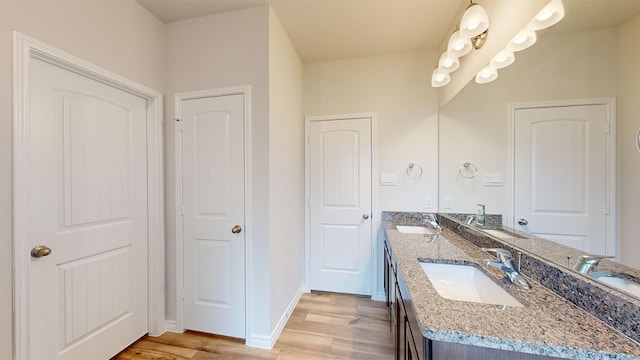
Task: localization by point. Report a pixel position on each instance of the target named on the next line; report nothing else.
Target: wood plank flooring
(323, 326)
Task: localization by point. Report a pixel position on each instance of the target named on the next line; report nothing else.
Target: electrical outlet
(447, 202)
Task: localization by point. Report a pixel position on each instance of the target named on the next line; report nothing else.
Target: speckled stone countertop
(546, 325)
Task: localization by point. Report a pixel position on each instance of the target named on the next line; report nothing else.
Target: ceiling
(323, 30)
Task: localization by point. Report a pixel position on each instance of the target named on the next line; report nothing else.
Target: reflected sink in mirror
(466, 283)
(502, 233)
(619, 281)
(414, 230)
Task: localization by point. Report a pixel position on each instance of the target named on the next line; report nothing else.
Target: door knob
(40, 251)
(365, 216)
(236, 229)
(523, 222)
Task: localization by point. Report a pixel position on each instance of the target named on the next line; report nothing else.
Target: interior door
(87, 201)
(340, 205)
(212, 131)
(560, 163)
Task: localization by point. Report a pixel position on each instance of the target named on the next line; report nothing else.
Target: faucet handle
(499, 253)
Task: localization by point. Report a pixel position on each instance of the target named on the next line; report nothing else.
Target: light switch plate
(388, 179)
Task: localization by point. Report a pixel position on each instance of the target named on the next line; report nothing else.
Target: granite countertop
(546, 325)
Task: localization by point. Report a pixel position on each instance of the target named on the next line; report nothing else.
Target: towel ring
(470, 169)
(414, 171)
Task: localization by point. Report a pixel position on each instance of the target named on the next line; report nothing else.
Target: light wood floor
(323, 326)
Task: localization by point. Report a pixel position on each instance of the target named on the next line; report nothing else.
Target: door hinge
(308, 202)
(309, 140)
(607, 128)
(182, 210)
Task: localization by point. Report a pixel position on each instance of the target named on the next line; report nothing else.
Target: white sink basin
(467, 283)
(622, 284)
(414, 230)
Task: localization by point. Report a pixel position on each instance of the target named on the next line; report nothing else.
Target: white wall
(286, 171)
(119, 36)
(474, 125)
(628, 156)
(398, 88)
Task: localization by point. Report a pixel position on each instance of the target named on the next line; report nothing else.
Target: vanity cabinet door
(400, 326)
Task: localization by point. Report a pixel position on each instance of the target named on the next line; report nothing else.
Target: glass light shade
(523, 40)
(548, 16)
(439, 78)
(487, 74)
(503, 59)
(458, 46)
(448, 62)
(474, 21)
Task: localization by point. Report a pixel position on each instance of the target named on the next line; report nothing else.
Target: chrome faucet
(505, 263)
(431, 220)
(587, 263)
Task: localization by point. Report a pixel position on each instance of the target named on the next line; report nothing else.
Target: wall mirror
(589, 63)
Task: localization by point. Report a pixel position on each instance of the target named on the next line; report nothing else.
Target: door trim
(178, 99)
(24, 49)
(376, 221)
(612, 243)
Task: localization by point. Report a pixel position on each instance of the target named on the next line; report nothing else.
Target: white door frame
(25, 49)
(611, 221)
(178, 99)
(375, 213)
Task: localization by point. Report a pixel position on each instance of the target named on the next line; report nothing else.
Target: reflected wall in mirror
(594, 53)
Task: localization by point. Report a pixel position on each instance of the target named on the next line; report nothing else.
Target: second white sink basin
(467, 283)
(414, 230)
(628, 286)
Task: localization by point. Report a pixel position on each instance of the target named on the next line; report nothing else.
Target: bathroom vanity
(428, 326)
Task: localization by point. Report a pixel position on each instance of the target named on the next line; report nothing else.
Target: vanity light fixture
(550, 15)
(440, 78)
(471, 33)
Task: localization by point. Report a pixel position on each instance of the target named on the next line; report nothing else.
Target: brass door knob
(236, 229)
(40, 251)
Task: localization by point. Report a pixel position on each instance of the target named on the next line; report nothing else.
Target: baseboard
(381, 296)
(264, 342)
(171, 326)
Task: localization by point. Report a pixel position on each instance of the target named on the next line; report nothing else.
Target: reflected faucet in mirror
(587, 263)
(431, 220)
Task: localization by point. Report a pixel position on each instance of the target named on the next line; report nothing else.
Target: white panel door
(560, 174)
(340, 206)
(212, 131)
(87, 202)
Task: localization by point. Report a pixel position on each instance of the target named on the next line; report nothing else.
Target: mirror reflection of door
(560, 175)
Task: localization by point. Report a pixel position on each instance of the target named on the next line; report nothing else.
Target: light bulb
(448, 62)
(439, 78)
(487, 74)
(503, 59)
(458, 46)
